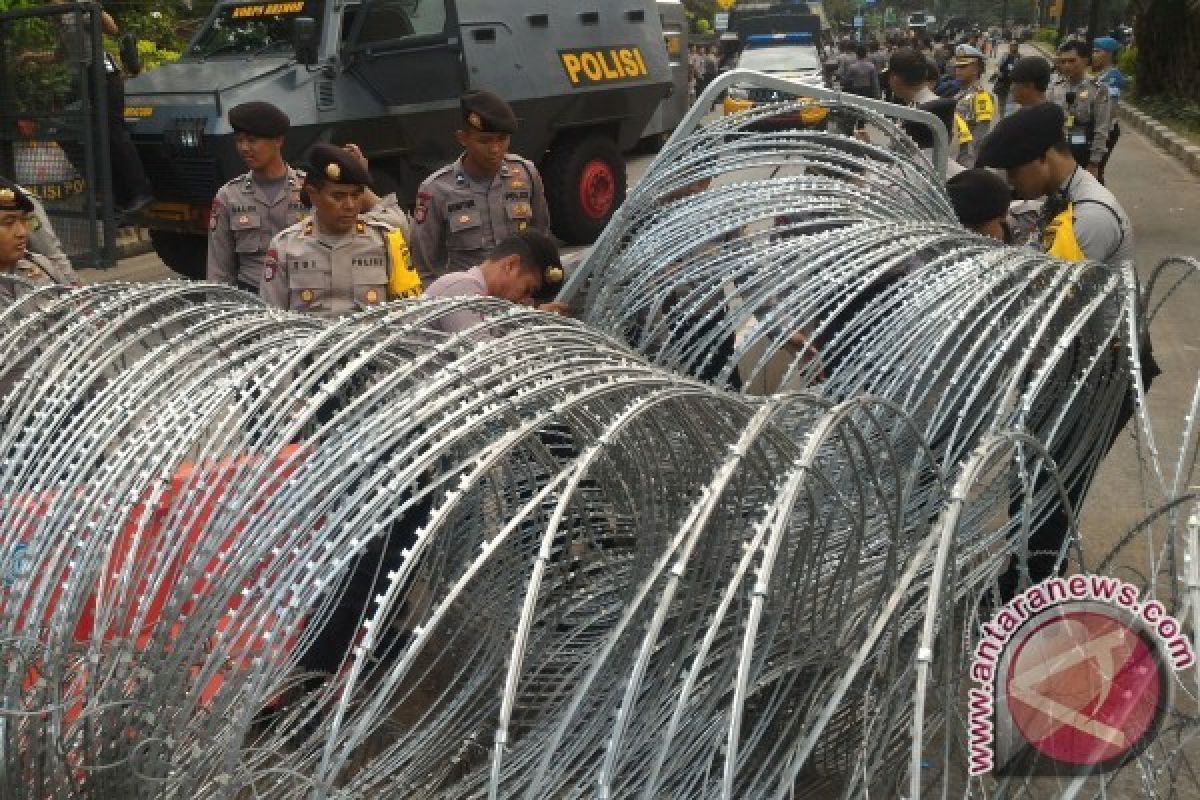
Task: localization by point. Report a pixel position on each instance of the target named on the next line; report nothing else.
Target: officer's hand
(357, 154)
(1094, 169)
(562, 309)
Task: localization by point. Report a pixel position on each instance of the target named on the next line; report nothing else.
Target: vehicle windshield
(250, 29)
(780, 59)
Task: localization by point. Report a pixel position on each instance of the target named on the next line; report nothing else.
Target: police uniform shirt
(458, 221)
(43, 240)
(312, 272)
(388, 211)
(42, 271)
(459, 284)
(1101, 229)
(244, 220)
(1114, 81)
(977, 107)
(1089, 116)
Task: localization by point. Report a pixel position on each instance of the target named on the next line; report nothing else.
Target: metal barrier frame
(93, 97)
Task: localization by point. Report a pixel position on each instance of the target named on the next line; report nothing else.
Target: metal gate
(53, 131)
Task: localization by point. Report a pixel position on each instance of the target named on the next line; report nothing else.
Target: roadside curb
(1182, 149)
(1166, 139)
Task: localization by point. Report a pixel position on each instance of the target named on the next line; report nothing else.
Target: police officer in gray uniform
(42, 238)
(250, 209)
(339, 260)
(1029, 145)
(1087, 104)
(466, 208)
(15, 259)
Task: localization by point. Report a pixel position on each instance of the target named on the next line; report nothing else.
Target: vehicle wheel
(184, 253)
(585, 183)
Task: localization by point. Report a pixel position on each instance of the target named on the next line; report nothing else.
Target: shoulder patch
(270, 265)
(421, 211)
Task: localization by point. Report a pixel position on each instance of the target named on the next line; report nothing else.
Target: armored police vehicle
(585, 77)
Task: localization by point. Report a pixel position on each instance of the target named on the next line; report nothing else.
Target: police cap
(13, 199)
(1023, 137)
(487, 113)
(965, 55)
(1107, 44)
(978, 196)
(1031, 69)
(539, 251)
(329, 163)
(259, 119)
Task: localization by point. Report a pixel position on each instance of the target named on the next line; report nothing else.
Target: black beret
(487, 113)
(332, 164)
(259, 119)
(13, 199)
(1023, 137)
(544, 252)
(942, 108)
(1031, 69)
(978, 196)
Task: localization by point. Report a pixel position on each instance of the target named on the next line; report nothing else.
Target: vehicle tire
(585, 183)
(185, 253)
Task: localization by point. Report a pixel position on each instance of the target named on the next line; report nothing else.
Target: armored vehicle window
(388, 20)
(250, 29)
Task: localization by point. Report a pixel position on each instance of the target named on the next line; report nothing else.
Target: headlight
(738, 93)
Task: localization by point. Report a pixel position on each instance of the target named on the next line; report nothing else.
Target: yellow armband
(985, 109)
(404, 282)
(964, 130)
(1059, 240)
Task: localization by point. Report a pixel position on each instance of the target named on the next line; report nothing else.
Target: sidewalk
(1162, 136)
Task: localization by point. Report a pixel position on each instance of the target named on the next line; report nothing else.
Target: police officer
(1080, 218)
(42, 238)
(466, 208)
(981, 198)
(976, 105)
(524, 268)
(1087, 104)
(338, 260)
(250, 209)
(1030, 78)
(15, 258)
(1108, 74)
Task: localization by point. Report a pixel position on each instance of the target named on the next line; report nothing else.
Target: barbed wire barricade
(251, 554)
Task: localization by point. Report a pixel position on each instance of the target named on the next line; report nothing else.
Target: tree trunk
(1064, 18)
(1168, 55)
(1094, 18)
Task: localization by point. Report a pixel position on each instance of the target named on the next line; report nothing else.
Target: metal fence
(54, 137)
